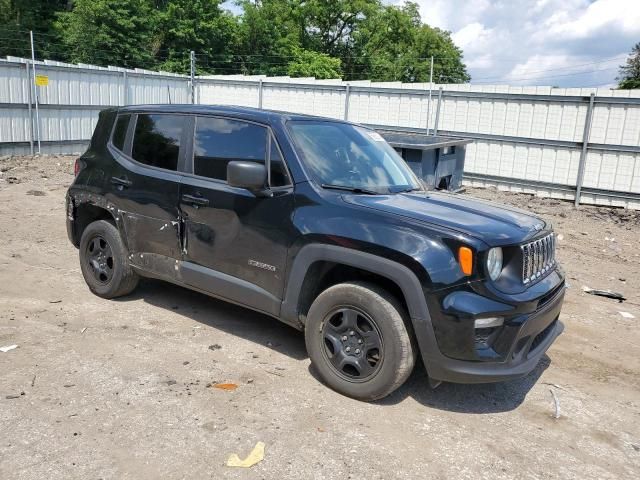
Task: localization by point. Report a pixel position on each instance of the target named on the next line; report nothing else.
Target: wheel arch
(314, 261)
(89, 210)
(401, 276)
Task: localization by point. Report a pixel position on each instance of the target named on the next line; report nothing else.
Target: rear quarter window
(120, 131)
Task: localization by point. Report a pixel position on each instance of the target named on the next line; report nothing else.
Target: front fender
(394, 271)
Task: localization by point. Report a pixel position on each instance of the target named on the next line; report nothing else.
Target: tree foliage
(349, 39)
(109, 32)
(307, 63)
(630, 71)
(198, 25)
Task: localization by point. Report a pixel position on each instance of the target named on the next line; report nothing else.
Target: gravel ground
(123, 389)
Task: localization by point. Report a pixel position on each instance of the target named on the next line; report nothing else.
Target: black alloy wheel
(352, 343)
(99, 258)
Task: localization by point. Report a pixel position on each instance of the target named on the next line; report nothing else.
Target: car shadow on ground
(234, 320)
(467, 398)
(267, 331)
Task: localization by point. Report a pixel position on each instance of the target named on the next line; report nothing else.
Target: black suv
(320, 224)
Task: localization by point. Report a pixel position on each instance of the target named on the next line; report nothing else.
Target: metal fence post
(429, 101)
(347, 94)
(435, 126)
(259, 93)
(35, 88)
(29, 97)
(585, 146)
(193, 76)
(125, 88)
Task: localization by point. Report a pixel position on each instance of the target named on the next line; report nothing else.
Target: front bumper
(535, 335)
(514, 351)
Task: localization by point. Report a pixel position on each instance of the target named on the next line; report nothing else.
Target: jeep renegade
(321, 224)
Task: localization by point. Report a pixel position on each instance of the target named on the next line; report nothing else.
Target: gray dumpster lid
(419, 141)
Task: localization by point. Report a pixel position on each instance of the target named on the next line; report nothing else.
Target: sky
(564, 43)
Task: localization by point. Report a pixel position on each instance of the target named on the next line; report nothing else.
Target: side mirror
(249, 175)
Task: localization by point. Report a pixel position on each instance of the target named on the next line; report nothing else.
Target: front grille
(538, 257)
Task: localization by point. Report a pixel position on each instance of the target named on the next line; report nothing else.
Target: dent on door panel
(152, 234)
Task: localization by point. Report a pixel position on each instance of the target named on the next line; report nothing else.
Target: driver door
(235, 243)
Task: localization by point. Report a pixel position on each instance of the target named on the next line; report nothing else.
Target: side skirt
(210, 282)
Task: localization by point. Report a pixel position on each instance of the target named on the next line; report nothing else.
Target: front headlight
(494, 262)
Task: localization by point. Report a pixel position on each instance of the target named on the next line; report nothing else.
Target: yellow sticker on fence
(42, 80)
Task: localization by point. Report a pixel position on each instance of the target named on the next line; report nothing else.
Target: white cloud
(471, 35)
(598, 17)
(539, 42)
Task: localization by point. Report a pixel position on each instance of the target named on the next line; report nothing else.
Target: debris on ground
(256, 455)
(83, 330)
(36, 193)
(556, 404)
(604, 293)
(11, 397)
(626, 315)
(8, 348)
(215, 346)
(225, 386)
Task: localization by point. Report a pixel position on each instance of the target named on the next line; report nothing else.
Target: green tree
(18, 17)
(394, 44)
(307, 63)
(630, 72)
(110, 32)
(329, 27)
(270, 31)
(198, 25)
(354, 39)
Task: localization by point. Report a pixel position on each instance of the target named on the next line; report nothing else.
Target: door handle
(122, 182)
(195, 200)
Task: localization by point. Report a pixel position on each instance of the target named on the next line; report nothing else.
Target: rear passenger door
(235, 242)
(145, 186)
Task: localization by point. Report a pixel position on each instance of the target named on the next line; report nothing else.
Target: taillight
(77, 166)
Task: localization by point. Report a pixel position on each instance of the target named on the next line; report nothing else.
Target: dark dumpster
(437, 160)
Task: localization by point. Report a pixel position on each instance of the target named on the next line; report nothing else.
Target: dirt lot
(121, 389)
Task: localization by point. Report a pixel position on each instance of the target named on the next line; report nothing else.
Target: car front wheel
(359, 340)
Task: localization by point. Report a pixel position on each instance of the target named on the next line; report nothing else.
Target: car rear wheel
(104, 261)
(359, 340)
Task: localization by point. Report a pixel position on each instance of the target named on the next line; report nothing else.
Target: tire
(104, 261)
(345, 355)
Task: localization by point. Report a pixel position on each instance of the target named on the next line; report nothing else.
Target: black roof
(256, 114)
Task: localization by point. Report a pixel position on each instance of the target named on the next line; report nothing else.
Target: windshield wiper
(409, 189)
(350, 189)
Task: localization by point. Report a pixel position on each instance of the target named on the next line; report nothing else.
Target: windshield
(343, 155)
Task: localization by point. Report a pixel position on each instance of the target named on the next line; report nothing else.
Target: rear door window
(156, 141)
(219, 141)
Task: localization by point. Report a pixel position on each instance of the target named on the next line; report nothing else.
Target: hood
(490, 222)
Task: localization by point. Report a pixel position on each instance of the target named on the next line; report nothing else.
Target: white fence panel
(526, 138)
(230, 94)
